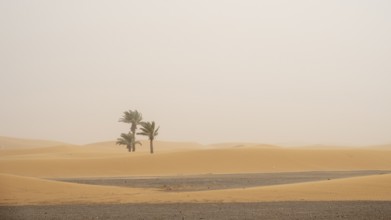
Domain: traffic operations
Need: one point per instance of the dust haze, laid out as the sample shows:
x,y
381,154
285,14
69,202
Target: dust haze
x,y
276,72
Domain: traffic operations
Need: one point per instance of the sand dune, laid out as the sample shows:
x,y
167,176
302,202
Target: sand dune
x,y
355,188
107,149
117,161
239,145
161,146
26,190
23,164
39,151
12,143
383,147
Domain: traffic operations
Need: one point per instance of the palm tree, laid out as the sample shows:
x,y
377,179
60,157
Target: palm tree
x,y
127,140
134,118
148,129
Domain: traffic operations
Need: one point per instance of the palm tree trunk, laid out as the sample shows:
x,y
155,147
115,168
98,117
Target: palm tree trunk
x,y
151,146
134,141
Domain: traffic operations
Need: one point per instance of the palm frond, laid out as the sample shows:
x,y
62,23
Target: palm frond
x,y
148,129
142,133
131,116
137,117
125,139
121,141
127,117
156,131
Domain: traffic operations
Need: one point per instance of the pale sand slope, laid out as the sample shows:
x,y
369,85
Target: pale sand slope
x,y
13,143
75,161
26,190
239,145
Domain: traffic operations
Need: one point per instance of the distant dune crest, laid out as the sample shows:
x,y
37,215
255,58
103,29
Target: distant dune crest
x,y
11,143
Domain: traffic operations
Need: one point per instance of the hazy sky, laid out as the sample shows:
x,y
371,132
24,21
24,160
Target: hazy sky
x,y
282,72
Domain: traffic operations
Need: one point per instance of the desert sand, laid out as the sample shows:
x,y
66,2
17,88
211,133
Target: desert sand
x,y
28,190
28,167
106,159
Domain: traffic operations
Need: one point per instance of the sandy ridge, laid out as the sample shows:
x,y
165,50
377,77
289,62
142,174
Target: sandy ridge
x,y
27,190
116,162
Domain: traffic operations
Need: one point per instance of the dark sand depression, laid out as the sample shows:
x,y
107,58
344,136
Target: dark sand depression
x,y
220,181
